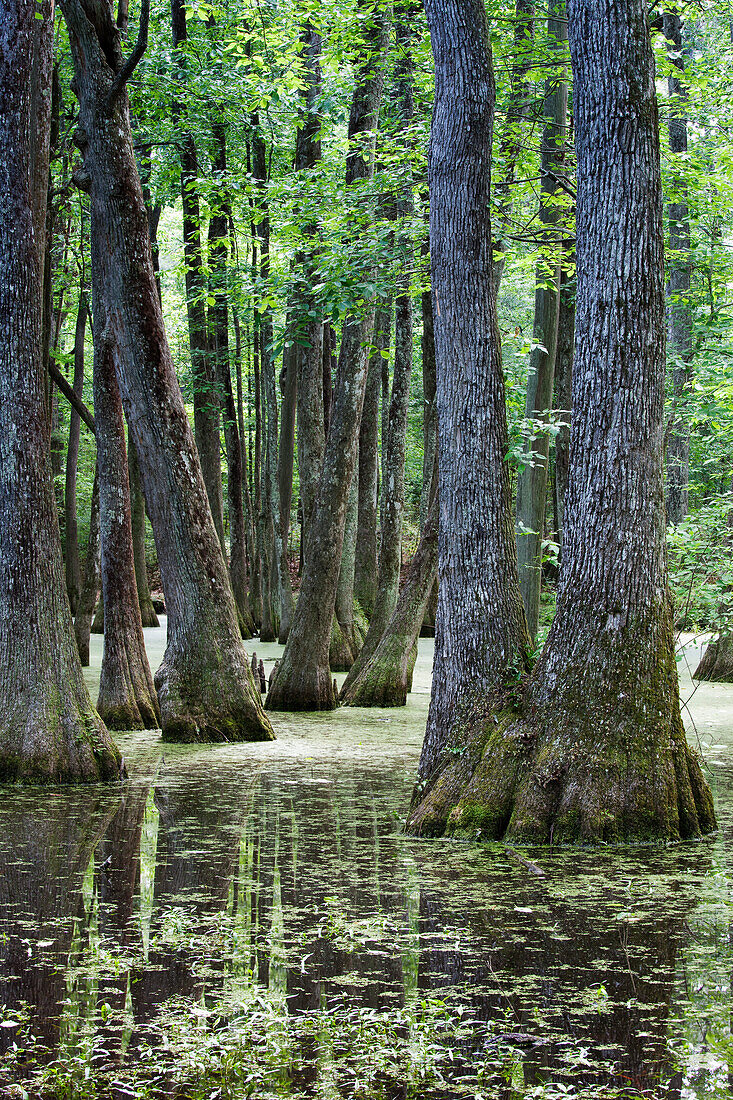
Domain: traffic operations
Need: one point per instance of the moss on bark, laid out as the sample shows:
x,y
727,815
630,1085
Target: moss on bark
x,y
585,758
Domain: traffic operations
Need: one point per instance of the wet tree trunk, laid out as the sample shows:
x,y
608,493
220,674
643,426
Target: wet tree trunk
x,y
386,678
92,580
679,313
365,565
73,567
481,640
716,663
49,730
205,404
598,752
303,679
532,478
219,350
205,685
137,507
127,699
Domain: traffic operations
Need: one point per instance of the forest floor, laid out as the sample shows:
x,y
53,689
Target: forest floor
x,y
250,920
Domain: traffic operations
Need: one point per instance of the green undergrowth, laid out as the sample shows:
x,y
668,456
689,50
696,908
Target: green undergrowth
x,y
252,1046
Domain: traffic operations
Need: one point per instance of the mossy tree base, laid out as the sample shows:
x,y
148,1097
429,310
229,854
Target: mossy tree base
x,y
340,652
58,738
716,664
210,700
306,687
590,760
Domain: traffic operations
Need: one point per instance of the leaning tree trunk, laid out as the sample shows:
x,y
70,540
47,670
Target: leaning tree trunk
x,y
49,729
92,580
481,640
386,678
137,509
303,679
597,751
532,478
73,567
680,350
204,684
127,699
430,433
285,462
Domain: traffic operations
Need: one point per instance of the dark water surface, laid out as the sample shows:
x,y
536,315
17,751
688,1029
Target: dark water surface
x,y
250,920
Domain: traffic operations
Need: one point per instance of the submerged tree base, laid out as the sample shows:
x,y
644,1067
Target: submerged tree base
x,y
61,739
210,701
580,759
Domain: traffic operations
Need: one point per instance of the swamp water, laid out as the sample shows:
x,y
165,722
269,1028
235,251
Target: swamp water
x,y
251,921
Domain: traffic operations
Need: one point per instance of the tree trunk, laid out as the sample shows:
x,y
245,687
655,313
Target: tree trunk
x,y
430,435
386,678
271,563
49,731
137,507
532,479
73,567
563,389
393,486
219,351
716,663
92,580
598,751
679,313
205,404
205,685
127,699
481,640
303,679
365,566
285,461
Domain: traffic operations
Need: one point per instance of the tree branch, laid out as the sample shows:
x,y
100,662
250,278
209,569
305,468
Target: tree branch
x,y
71,397
131,64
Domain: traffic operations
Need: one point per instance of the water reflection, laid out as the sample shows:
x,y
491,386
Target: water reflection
x,y
206,880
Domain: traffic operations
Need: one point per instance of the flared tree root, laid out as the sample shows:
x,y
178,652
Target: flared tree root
x,y
210,701
515,777
61,740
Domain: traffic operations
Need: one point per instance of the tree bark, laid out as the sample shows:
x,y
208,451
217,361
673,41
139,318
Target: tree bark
x,y
481,640
285,462
679,311
563,389
73,567
92,580
219,351
205,404
303,679
532,479
137,507
393,486
597,751
365,566
49,732
386,678
205,686
127,699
